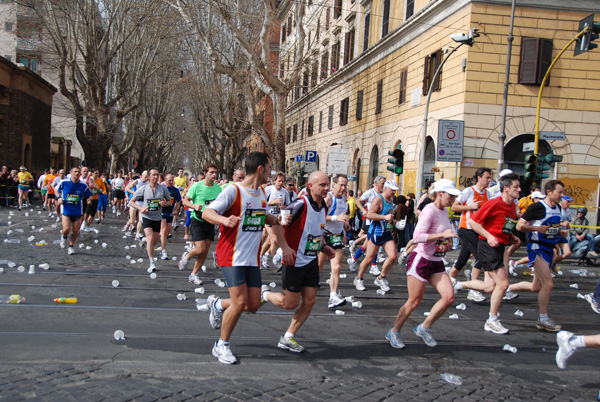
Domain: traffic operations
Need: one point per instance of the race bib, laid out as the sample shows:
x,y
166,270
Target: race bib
x,y
153,205
552,232
335,240
119,188
313,246
509,225
441,247
389,226
23,181
254,220
275,209
72,199
94,191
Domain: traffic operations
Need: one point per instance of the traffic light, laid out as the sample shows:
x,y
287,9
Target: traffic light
x,y
396,161
584,43
546,163
531,161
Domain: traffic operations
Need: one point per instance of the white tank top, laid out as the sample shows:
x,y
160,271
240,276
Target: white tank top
x,y
305,234
338,206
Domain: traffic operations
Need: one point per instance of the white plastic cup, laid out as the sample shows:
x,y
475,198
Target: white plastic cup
x,y
199,290
508,348
115,283
349,299
339,312
453,317
31,269
342,276
204,268
519,313
461,306
119,335
44,266
575,286
153,275
202,307
380,292
217,281
357,304
181,296
21,268
272,284
284,215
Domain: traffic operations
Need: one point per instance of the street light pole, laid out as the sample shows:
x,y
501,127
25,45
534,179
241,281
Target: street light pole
x,y
502,135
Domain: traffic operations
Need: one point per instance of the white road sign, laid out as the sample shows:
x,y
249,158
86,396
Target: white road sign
x,y
450,140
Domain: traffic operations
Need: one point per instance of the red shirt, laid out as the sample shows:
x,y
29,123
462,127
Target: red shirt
x,y
498,218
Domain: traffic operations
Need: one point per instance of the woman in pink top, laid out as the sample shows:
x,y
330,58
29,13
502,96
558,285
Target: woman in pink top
x,y
433,236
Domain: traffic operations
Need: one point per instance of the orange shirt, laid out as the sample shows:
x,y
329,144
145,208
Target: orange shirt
x,y
99,183
48,180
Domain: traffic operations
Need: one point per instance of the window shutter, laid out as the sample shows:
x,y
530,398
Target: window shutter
x,y
347,48
529,61
366,34
403,77
359,104
438,61
330,119
379,97
545,59
426,77
385,24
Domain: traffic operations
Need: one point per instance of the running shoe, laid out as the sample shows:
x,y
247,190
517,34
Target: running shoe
x,y
593,254
70,250
44,208
58,219
114,209
352,248
215,315
125,228
374,270
593,302
381,258
453,281
425,335
223,353
395,339
175,225
152,266
186,237
264,260
351,264
290,344
336,301
195,279
508,296
475,296
402,258
495,327
63,242
359,283
118,213
50,215
445,261
512,268
263,290
382,283
142,241
565,350
547,325
183,261
163,255
467,273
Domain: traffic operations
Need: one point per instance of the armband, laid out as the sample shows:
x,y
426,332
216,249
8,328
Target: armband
x,y
333,218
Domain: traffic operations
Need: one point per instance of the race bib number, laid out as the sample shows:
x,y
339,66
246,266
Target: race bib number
x,y
441,247
275,209
23,181
254,220
389,226
118,188
313,246
552,232
94,191
153,205
335,240
509,225
72,199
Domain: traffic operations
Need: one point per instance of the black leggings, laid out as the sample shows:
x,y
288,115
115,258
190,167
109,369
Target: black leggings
x,y
469,240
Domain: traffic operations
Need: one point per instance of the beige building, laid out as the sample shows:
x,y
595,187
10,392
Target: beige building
x,y
370,64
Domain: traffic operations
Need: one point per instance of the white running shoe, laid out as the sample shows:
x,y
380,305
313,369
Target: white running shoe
x,y
163,255
114,209
63,242
351,264
495,327
565,350
402,258
223,353
508,296
382,283
264,260
475,296
195,279
336,301
290,344
512,268
152,266
70,250
183,261
359,284
215,315
374,270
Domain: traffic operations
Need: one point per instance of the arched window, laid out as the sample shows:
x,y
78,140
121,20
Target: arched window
x,y
374,164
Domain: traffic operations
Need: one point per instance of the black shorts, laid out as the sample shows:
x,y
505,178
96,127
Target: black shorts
x,y
50,196
492,258
119,194
294,279
200,230
73,218
334,240
365,228
155,225
236,276
167,217
90,209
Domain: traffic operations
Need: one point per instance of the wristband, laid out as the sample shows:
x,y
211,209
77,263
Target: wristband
x,y
333,218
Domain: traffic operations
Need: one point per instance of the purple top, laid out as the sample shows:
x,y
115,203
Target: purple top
x,y
432,220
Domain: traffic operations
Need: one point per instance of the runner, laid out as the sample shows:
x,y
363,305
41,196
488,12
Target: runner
x,y
277,198
168,214
241,210
432,235
96,185
155,197
118,185
495,222
336,225
471,199
50,194
43,188
25,180
71,193
568,343
238,176
542,223
60,177
200,195
188,212
301,243
381,215
130,189
103,198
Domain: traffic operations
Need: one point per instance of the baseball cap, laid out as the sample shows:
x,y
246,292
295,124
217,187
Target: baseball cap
x,y
538,194
445,186
390,184
505,172
23,168
564,197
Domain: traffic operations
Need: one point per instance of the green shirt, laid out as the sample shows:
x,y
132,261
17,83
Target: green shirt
x,y
201,194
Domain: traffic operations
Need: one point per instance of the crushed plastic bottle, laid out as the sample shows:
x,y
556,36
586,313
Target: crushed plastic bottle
x,y
140,260
461,306
88,247
339,312
119,335
199,290
128,257
30,239
580,296
575,286
519,313
380,292
81,245
217,281
12,241
508,348
95,241
45,266
66,300
451,378
181,296
11,299
104,245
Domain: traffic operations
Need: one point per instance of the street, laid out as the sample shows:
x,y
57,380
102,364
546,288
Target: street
x,y
67,351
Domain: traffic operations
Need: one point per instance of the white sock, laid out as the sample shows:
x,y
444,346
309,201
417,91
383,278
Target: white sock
x,y
264,295
332,295
219,305
288,335
494,317
458,286
543,316
577,341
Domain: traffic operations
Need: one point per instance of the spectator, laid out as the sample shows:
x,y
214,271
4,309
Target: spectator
x,y
578,235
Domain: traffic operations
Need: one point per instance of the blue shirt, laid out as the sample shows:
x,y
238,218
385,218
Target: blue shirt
x,y
72,195
377,228
176,196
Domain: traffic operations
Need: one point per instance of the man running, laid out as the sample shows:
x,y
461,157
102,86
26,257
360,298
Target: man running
x,y
495,222
155,197
96,185
241,210
71,193
381,215
168,214
25,181
60,177
301,244
277,198
50,195
336,225
118,185
201,194
541,221
131,188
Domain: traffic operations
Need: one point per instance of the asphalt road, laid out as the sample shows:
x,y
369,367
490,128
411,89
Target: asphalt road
x,y
67,351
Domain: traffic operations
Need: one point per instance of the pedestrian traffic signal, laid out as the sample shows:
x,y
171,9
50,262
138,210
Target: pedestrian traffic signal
x,y
396,161
584,42
531,161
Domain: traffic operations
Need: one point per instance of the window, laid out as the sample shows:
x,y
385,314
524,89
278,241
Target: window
x,y
302,131
337,9
349,46
281,70
324,63
321,121
359,104
330,120
327,18
432,63
344,107
289,26
311,126
403,77
536,56
379,97
410,8
318,33
385,23
295,137
31,63
335,57
297,92
288,135
305,81
314,74
283,32
366,33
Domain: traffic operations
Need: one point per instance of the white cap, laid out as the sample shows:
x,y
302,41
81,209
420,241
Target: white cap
x,y
445,186
390,184
505,172
537,194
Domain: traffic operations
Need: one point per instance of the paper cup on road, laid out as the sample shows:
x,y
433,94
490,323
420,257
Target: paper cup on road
x,y
119,335
284,215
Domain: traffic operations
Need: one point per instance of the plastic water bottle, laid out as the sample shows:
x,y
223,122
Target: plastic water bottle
x,y
575,286
11,299
451,378
67,300
31,238
12,241
339,312
508,348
